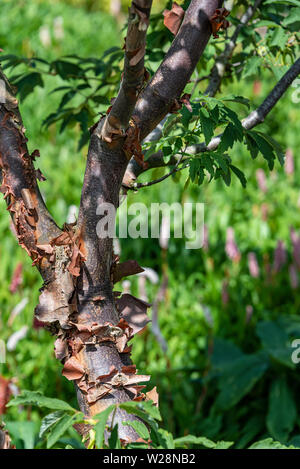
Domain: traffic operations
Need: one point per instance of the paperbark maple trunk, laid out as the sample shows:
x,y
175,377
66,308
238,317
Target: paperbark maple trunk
x,y
77,302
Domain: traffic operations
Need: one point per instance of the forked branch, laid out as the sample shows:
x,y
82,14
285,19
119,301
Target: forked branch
x,y
33,224
117,120
173,74
252,120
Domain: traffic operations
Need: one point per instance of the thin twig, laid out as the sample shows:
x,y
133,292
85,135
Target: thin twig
x,y
139,185
252,120
219,68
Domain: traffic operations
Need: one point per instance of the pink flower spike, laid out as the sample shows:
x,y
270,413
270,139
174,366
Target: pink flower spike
x,y
293,277
261,180
289,166
296,247
231,247
205,238
253,265
280,256
225,294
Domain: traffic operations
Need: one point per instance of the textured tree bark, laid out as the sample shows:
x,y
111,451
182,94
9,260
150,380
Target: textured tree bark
x,y
177,67
77,301
96,302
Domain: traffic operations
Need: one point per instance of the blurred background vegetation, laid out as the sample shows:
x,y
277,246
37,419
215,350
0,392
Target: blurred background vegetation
x,y
230,310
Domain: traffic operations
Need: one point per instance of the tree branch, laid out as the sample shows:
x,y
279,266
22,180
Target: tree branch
x,y
96,305
177,67
118,118
252,120
223,59
258,116
33,223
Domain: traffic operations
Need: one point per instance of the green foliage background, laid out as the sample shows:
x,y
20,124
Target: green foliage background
x,y
227,373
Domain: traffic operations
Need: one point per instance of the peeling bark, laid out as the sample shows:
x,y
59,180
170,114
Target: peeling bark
x,y
92,323
177,67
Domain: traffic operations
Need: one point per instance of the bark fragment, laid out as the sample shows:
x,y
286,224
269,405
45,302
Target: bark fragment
x,y
173,18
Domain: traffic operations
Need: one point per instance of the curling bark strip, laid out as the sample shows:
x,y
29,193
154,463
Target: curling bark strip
x,y
134,74
33,224
77,303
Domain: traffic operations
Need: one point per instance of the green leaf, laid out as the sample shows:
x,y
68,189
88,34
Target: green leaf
x,y
283,2
114,441
137,446
239,174
251,67
139,427
226,176
60,88
279,39
201,441
207,125
200,176
238,99
238,378
208,163
38,399
138,408
269,443
252,146
276,342
149,415
224,353
224,444
229,137
49,421
67,97
232,116
268,23
275,145
193,440
66,69
59,429
100,426
293,18
27,84
83,117
194,168
254,426
264,146
24,431
167,153
278,69
166,439
222,160
282,414
185,119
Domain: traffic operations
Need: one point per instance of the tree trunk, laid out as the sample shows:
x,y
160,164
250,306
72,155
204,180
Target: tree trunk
x,y
77,302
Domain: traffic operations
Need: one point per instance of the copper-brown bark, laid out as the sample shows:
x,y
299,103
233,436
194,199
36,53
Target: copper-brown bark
x,y
77,301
